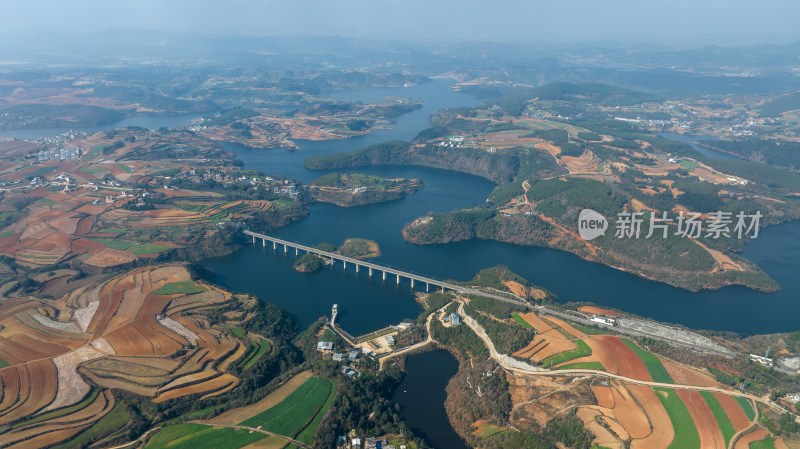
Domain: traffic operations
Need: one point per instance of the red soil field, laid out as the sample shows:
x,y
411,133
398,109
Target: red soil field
x,y
617,357
86,246
733,410
704,420
597,310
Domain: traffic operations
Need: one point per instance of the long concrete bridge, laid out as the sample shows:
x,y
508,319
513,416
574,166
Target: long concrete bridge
x,y
384,270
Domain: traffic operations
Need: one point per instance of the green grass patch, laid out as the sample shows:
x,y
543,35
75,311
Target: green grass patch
x,y
686,436
41,171
147,248
584,365
263,346
746,407
589,330
113,421
93,170
124,168
654,366
689,165
113,243
4,364
187,288
96,150
488,431
766,443
724,422
582,350
240,333
6,234
45,202
172,433
521,320
113,230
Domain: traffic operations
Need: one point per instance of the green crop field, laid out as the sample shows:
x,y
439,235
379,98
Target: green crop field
x,y
46,202
262,348
746,407
686,436
6,233
724,422
94,153
147,248
766,443
290,415
581,351
297,416
124,168
651,362
585,365
307,435
93,170
187,288
521,321
200,436
113,243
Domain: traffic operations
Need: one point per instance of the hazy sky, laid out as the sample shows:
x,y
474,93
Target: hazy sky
x,y
676,22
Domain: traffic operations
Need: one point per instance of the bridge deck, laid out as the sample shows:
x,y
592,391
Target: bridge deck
x,y
389,270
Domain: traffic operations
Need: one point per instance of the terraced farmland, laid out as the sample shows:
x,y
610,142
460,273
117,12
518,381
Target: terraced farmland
x,y
143,331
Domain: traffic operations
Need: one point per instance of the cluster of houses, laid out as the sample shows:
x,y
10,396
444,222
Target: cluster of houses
x,y
283,186
354,442
453,142
349,359
59,154
603,320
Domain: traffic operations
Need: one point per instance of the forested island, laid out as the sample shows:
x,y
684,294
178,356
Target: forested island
x,y
356,189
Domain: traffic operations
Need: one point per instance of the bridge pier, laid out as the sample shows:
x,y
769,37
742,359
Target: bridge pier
x,y
427,287
384,275
296,251
285,248
344,264
254,240
356,268
370,271
274,245
412,283
442,289
398,278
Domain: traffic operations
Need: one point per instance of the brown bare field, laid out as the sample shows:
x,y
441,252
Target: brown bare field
x,y
237,415
744,442
663,432
597,310
516,288
110,257
703,417
688,376
602,436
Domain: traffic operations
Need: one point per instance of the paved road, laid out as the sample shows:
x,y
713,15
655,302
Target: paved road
x,y
407,349
481,333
